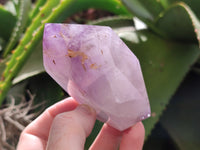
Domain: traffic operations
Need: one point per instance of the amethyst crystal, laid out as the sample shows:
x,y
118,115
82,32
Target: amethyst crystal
x,y
96,68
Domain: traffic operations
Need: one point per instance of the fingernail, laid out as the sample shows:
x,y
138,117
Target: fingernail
x,y
86,109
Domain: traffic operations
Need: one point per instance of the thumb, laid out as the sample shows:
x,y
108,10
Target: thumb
x,y
70,129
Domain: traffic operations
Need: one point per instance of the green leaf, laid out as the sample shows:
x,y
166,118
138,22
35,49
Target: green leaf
x,y
181,119
113,6
168,18
179,22
114,22
7,23
165,3
3,65
164,65
138,9
20,25
45,89
33,66
147,11
36,9
159,139
193,4
195,21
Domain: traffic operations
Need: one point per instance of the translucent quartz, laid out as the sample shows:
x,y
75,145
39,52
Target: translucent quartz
x,y
96,68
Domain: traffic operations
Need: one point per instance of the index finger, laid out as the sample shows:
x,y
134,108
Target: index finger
x,y
38,130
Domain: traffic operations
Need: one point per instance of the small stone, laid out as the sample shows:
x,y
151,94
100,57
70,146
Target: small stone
x,y
96,68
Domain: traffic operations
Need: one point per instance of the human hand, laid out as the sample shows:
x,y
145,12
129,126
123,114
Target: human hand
x,y
66,125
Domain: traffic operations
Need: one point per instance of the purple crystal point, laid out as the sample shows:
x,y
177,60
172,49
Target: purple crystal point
x,y
96,68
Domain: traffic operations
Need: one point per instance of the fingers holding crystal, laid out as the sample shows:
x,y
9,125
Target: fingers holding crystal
x,y
133,138
108,138
111,138
70,129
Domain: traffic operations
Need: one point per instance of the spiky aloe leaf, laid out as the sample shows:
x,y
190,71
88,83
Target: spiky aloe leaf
x,y
32,67
193,4
179,22
35,11
168,18
195,21
20,25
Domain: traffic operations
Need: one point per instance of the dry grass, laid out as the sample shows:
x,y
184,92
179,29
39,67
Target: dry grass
x,y
13,119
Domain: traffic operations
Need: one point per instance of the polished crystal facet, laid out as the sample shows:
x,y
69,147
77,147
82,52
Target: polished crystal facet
x,y
96,68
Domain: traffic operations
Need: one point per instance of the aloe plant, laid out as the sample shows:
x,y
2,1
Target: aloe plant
x,y
168,50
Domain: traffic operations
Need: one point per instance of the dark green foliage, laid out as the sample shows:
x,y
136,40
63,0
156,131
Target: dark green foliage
x,y
181,119
45,88
176,21
7,23
22,18
160,140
